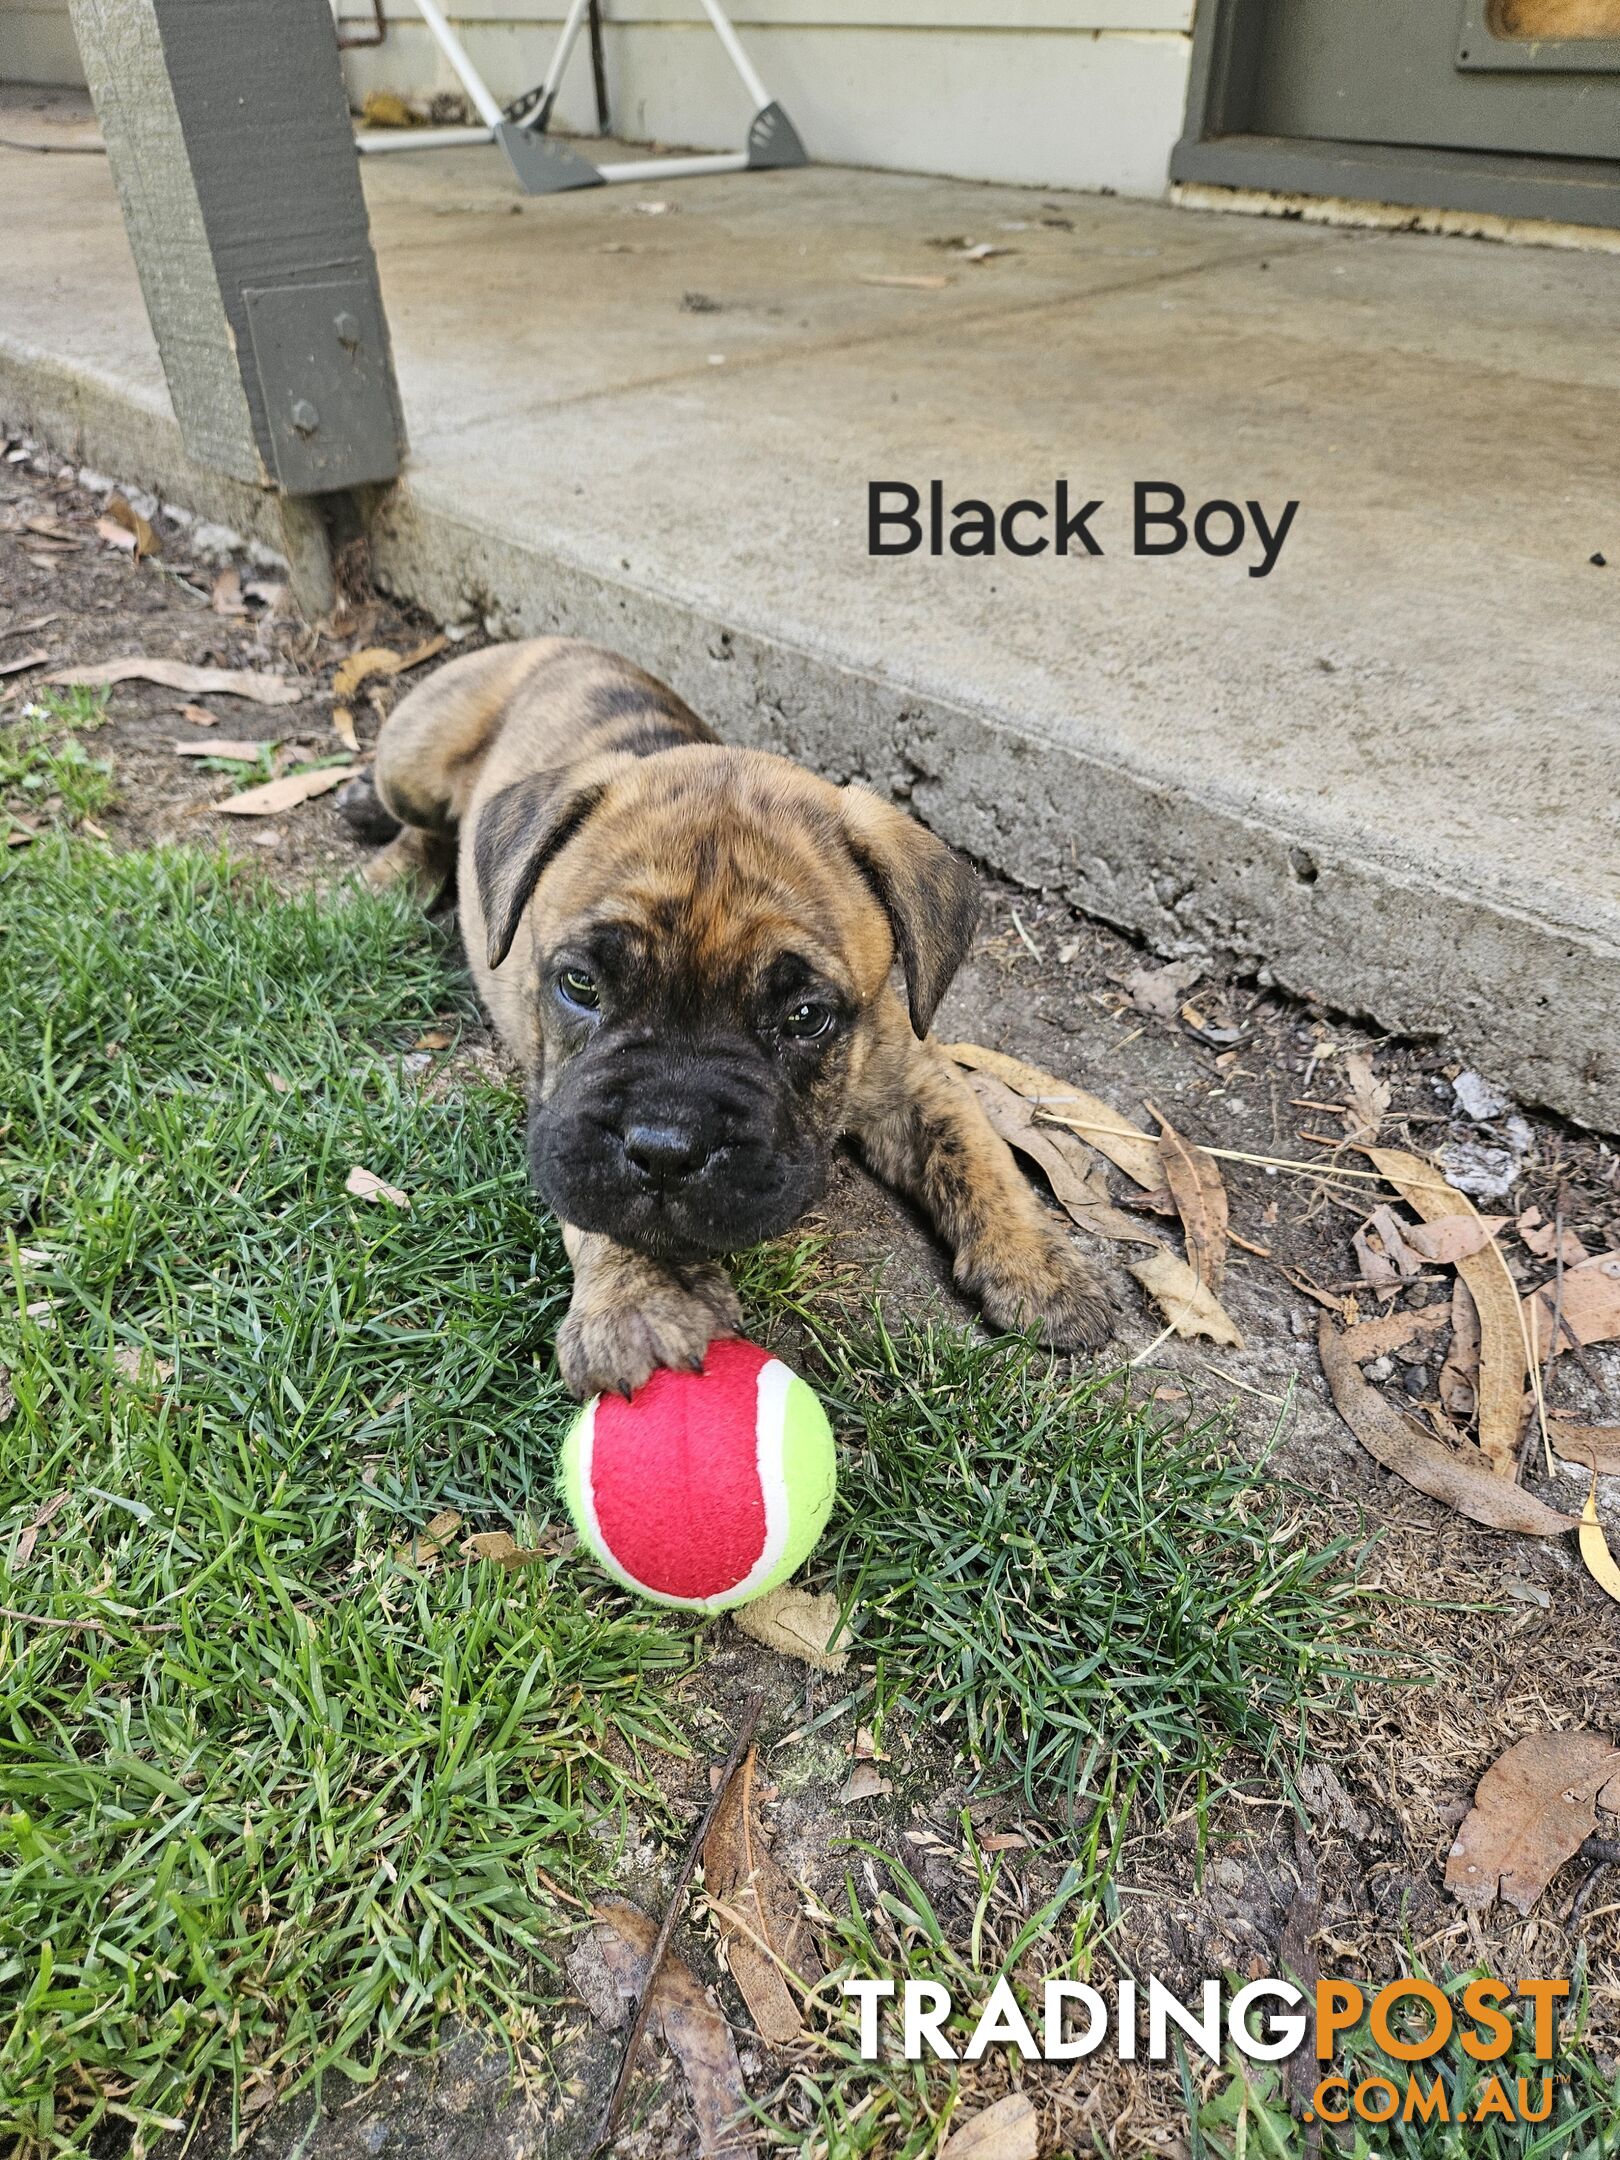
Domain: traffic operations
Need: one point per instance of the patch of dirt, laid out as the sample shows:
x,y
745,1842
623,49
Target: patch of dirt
x,y
72,595
1495,1636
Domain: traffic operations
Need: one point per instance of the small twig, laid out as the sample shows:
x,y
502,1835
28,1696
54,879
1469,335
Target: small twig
x,y
1603,1853
1558,1289
566,1897
1221,1154
1029,942
638,2024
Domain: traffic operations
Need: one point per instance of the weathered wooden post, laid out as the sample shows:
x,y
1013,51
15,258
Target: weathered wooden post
x,y
228,133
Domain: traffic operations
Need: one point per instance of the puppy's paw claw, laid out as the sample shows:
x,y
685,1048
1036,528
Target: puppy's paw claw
x,y
611,1350
1054,1290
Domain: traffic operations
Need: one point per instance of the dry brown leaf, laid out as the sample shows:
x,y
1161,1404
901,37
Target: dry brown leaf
x,y
1198,1190
128,1358
1459,1374
198,715
1375,1267
1588,1306
1534,1807
694,2029
1450,1238
343,727
226,597
1393,1331
263,689
758,1913
360,667
1595,1547
233,752
1501,1350
1065,1158
797,1625
921,284
1461,1480
431,1542
504,1550
376,660
1392,1236
1369,1097
29,1536
1126,1145
1543,1240
23,662
1009,2129
1160,990
1191,1307
366,1185
865,1782
286,793
433,1039
1594,1447
123,525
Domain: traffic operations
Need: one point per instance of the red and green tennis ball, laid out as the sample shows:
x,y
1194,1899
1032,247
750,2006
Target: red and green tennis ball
x,y
706,1488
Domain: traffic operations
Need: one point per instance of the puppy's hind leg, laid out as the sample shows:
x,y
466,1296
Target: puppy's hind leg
x,y
405,853
425,766
413,857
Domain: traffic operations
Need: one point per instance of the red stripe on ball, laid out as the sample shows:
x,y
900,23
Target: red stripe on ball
x,y
675,1475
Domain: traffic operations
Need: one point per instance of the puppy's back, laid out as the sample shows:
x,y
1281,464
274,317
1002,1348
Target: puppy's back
x,y
536,706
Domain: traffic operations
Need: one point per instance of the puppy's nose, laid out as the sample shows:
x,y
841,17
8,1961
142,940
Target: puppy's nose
x,y
663,1153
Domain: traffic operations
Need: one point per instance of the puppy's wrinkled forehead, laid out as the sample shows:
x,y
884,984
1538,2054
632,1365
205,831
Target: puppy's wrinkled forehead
x,y
732,863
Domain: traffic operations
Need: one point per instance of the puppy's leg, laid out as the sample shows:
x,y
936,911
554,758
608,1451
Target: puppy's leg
x,y
426,860
630,1315
922,1129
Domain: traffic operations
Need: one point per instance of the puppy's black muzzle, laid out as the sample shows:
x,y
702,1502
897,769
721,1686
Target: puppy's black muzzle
x,y
683,1152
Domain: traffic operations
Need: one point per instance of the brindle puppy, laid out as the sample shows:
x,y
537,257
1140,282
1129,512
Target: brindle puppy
x,y
687,949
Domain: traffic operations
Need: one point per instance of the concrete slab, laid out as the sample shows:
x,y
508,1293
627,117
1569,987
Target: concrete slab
x,y
1385,774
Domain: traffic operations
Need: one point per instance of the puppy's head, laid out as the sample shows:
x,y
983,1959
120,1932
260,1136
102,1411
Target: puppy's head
x,y
707,935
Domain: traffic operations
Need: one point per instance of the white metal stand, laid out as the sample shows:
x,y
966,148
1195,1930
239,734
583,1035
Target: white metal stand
x,y
545,167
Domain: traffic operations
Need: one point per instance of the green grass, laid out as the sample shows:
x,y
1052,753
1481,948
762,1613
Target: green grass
x,y
273,1799
889,1929
270,1798
44,766
1086,1595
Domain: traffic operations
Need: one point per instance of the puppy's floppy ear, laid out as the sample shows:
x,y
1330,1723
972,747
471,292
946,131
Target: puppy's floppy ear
x,y
930,895
521,830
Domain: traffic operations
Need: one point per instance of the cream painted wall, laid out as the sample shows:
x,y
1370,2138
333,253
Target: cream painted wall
x,y
1056,93
36,43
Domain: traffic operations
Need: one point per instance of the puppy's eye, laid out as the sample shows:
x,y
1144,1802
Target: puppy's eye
x,y
805,1022
578,988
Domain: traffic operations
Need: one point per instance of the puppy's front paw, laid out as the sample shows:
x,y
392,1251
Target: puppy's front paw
x,y
609,1346
1045,1284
